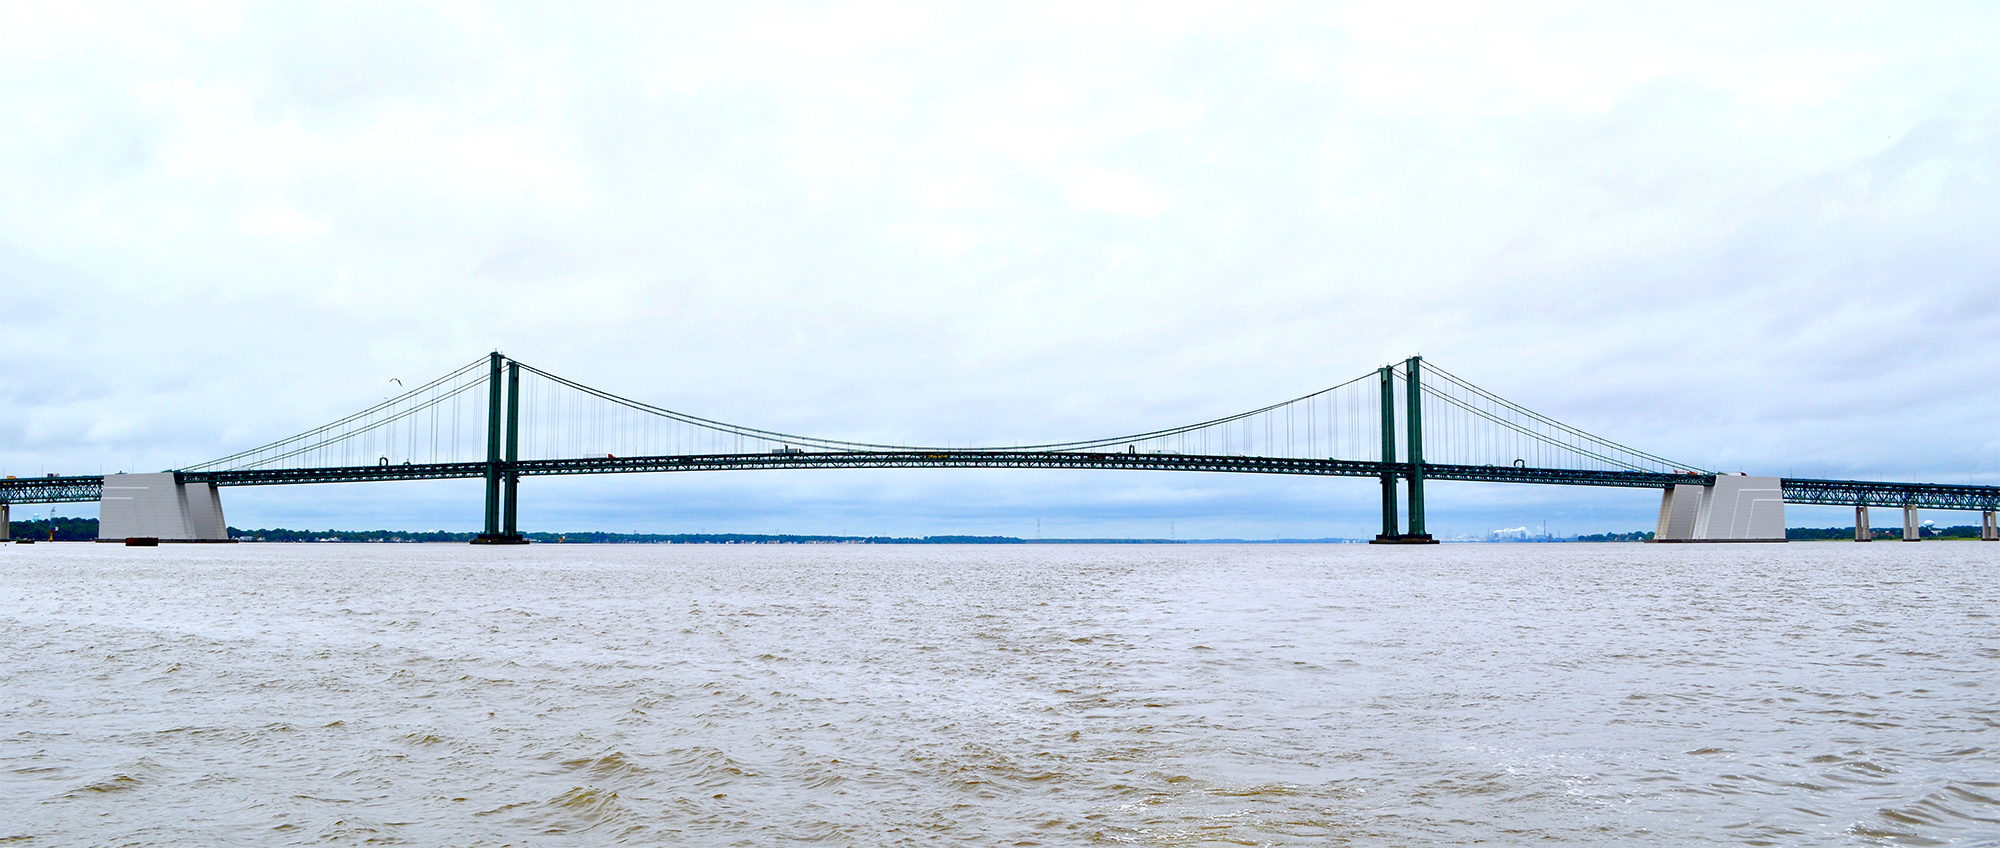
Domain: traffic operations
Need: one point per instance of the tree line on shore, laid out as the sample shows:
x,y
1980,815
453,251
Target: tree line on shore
x,y
85,530
66,529
1815,534
600,537
1963,531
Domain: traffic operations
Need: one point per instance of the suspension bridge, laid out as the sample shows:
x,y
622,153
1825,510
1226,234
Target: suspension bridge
x,y
1401,425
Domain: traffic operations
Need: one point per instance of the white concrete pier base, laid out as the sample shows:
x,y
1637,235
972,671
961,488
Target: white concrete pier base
x,y
1989,526
1910,531
1737,508
1862,532
154,506
1678,507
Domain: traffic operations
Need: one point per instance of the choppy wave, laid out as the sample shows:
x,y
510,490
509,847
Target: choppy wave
x,y
1808,694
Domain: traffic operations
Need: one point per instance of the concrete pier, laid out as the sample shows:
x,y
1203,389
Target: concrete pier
x,y
158,506
1862,532
1989,526
1911,533
1737,508
7,530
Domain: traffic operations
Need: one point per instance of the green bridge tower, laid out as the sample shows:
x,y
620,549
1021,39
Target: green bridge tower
x,y
503,438
1413,470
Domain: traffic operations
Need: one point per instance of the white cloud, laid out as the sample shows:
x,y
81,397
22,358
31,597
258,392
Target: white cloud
x,y
1689,227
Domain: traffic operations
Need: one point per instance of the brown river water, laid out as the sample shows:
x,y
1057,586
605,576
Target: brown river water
x,y
1617,694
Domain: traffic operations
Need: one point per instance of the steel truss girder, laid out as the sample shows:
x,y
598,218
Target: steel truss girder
x,y
946,459
338,474
52,490
1124,461
1865,493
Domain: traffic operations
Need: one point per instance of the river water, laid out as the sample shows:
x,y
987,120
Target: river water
x,y
1618,694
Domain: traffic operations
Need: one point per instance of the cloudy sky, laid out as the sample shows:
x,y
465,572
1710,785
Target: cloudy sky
x,y
1755,237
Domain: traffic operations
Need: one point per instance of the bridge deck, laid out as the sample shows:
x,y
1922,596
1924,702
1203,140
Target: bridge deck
x,y
1800,491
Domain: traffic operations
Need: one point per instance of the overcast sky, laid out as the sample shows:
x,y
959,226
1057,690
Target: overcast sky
x,y
1751,237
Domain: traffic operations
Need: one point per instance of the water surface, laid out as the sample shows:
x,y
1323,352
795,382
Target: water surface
x,y
1802,694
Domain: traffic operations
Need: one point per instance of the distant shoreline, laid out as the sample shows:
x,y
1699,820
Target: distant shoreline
x,y
85,529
